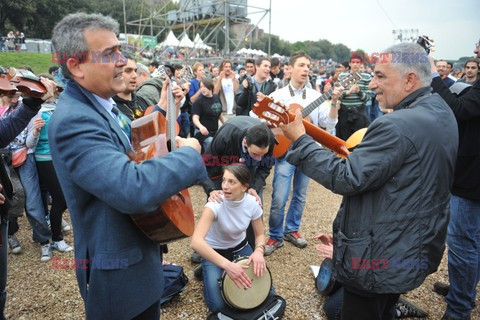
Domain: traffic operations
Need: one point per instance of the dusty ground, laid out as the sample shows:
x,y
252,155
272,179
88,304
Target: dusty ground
x,y
36,291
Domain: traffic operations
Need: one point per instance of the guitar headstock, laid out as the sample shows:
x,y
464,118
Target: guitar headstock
x,y
160,72
186,74
426,43
272,113
350,79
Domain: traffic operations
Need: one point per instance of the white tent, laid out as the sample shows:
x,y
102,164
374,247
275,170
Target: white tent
x,y
170,41
199,44
185,42
243,51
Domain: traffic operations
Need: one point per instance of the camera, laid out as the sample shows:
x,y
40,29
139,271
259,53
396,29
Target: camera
x,y
248,78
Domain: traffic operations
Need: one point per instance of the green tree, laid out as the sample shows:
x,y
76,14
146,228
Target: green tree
x,y
342,52
14,14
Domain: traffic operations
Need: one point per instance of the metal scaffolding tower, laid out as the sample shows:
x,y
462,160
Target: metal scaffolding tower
x,y
208,18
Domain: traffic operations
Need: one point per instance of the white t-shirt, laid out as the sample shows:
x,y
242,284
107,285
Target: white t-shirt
x,y
320,115
231,221
227,86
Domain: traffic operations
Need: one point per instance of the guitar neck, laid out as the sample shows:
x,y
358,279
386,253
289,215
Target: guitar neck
x,y
171,118
317,102
327,140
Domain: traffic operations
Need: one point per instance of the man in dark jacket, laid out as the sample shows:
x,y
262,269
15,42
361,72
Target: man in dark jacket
x,y
463,229
254,87
241,139
389,233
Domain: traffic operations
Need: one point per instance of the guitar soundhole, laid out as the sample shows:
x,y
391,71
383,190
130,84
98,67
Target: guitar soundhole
x,y
180,195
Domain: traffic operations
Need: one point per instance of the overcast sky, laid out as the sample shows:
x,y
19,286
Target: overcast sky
x,y
453,24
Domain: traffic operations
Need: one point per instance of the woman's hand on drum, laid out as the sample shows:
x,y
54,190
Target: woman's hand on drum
x,y
326,246
259,264
237,273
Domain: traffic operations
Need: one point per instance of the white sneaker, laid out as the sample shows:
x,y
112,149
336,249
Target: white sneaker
x,y
65,226
61,246
46,252
14,244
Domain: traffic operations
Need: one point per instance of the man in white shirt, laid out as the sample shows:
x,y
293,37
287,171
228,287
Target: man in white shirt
x,y
225,86
324,116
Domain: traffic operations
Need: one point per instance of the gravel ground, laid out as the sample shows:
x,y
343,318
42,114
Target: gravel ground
x,y
36,291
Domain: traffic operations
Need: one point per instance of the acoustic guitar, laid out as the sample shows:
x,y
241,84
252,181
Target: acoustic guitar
x,y
284,143
174,219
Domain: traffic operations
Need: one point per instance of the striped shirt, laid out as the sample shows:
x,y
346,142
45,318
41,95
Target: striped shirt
x,y
358,99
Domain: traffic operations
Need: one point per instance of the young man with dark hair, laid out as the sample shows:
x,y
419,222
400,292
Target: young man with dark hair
x,y
226,85
254,88
127,100
153,66
471,71
464,224
250,66
276,73
352,115
285,174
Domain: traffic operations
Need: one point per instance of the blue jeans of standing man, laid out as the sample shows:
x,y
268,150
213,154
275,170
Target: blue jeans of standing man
x,y
184,121
463,256
282,178
35,210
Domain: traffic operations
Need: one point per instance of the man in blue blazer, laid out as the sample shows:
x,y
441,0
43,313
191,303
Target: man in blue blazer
x,y
101,185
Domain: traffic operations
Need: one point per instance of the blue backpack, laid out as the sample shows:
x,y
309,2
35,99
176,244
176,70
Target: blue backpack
x,y
175,282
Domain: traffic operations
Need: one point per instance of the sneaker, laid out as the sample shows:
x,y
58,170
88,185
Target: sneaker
x,y
198,272
195,257
65,226
272,245
295,238
407,309
61,246
46,252
14,244
441,288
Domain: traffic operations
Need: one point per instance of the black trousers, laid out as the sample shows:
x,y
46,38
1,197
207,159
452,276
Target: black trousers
x,y
350,120
151,313
368,306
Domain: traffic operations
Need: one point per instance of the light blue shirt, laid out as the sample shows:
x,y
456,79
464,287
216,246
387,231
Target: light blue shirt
x,y
108,105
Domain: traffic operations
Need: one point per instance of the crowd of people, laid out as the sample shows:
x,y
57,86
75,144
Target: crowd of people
x,y
13,42
409,188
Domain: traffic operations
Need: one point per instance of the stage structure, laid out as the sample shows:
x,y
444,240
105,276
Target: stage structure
x,y
209,19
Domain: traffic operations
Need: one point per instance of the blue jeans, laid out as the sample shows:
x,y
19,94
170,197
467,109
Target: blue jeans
x,y
463,256
212,279
3,265
282,177
33,200
373,111
184,121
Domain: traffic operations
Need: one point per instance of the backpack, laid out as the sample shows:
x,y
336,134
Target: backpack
x,y
272,309
175,282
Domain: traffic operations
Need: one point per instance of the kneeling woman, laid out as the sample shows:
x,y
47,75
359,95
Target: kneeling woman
x,y
220,237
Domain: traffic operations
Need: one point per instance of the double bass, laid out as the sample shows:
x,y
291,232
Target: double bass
x,y
174,219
